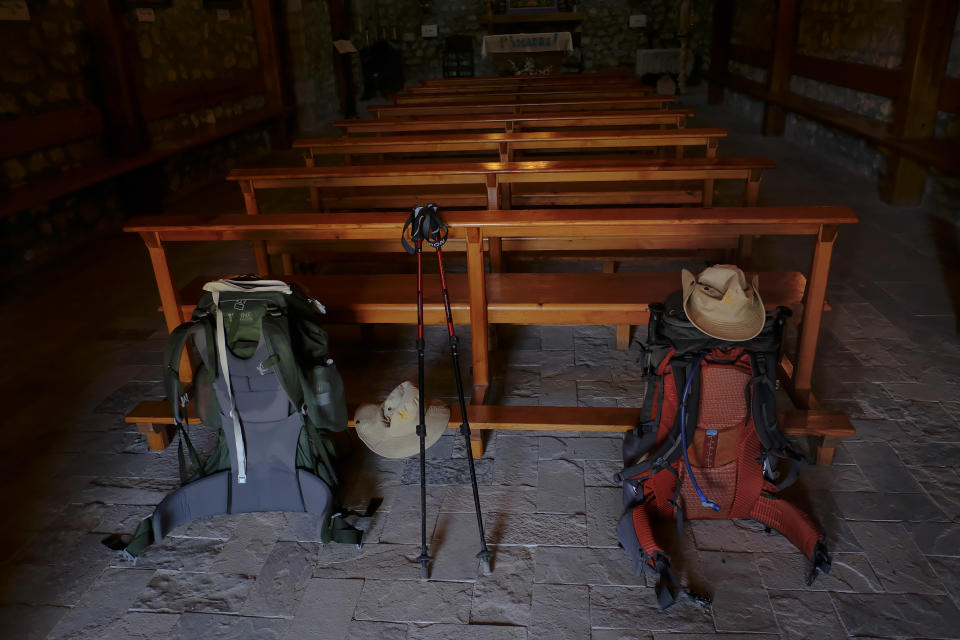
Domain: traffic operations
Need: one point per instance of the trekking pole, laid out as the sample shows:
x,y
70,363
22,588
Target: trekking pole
x,y
415,223
436,235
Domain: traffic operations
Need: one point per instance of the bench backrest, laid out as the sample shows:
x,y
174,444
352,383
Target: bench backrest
x,y
586,78
519,121
505,144
504,97
571,104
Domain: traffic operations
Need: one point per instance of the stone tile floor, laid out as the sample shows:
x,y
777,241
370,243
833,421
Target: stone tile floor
x,y
86,349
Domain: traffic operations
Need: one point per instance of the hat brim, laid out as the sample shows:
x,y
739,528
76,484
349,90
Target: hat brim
x,y
372,429
746,329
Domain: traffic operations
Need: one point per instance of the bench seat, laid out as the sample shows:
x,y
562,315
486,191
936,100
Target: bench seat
x,y
154,417
512,298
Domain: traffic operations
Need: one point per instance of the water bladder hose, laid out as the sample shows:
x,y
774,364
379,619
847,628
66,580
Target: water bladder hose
x,y
704,501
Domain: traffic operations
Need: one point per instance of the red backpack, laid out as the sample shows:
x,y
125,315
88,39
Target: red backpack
x,y
708,446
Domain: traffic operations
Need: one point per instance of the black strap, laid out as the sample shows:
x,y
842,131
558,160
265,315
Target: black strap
x,y
821,562
667,587
425,224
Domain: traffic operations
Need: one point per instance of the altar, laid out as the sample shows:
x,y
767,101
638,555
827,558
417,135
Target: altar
x,y
528,53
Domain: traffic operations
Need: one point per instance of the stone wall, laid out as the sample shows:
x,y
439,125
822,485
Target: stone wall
x,y
48,66
188,42
311,59
608,41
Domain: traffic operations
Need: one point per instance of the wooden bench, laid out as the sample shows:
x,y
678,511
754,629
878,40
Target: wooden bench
x,y
480,298
507,97
428,108
509,122
503,146
541,80
548,183
559,86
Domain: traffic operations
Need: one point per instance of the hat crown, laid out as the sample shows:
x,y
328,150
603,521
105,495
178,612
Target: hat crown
x,y
720,302
402,409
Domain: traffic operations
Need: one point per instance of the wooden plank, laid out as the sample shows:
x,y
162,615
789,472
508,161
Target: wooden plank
x,y
197,94
950,95
503,97
929,36
778,80
265,28
572,104
512,298
539,418
527,121
580,223
867,78
31,133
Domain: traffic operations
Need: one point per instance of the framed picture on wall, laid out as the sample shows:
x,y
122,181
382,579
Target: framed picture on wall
x,y
531,6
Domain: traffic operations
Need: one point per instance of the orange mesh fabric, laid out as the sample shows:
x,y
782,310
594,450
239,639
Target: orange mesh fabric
x,y
718,484
722,402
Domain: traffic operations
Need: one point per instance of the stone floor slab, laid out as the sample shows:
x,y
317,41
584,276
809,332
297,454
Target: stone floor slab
x,y
504,597
806,614
898,615
560,487
454,547
423,602
364,630
465,632
325,610
143,626
192,626
183,591
890,507
281,582
571,565
381,561
636,608
947,569
115,591
516,461
459,499
559,611
936,538
848,572
536,529
740,602
900,565
604,508
579,448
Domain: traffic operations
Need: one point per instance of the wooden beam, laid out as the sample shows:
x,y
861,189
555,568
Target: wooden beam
x,y
778,81
265,26
929,35
720,51
126,130
850,75
197,94
29,133
949,95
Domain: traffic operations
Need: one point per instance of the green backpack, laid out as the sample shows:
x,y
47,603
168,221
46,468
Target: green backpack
x,y
266,382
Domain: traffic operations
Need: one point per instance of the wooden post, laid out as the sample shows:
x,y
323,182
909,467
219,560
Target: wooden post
x,y
126,130
169,296
253,208
929,34
752,191
778,80
314,191
494,202
813,311
478,308
720,51
265,28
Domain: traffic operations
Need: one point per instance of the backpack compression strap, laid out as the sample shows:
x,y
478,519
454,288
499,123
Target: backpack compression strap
x,y
228,385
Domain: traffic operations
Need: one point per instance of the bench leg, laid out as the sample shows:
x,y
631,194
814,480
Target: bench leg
x,y
496,254
707,194
287,259
609,266
623,337
825,450
744,252
158,435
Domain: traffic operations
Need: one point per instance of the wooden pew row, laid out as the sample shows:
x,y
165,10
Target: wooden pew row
x,y
503,146
506,97
540,80
511,122
580,86
480,298
428,108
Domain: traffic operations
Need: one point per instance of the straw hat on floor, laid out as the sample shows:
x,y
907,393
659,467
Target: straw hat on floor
x,y
390,429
